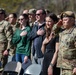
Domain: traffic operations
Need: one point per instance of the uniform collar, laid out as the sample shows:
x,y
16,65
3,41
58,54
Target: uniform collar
x,y
68,31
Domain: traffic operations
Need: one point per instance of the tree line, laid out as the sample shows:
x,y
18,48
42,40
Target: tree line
x,y
56,6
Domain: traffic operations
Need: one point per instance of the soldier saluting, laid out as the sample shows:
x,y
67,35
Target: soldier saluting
x,y
67,46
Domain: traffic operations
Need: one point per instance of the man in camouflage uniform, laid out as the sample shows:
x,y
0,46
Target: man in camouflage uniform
x,y
67,45
5,38
12,19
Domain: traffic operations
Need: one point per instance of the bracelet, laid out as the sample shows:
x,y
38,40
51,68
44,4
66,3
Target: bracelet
x,y
51,65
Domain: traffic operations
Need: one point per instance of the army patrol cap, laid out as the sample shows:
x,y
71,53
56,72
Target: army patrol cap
x,y
68,14
32,11
2,11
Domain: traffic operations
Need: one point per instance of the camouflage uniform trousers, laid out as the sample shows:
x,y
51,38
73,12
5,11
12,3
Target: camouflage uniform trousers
x,y
3,59
66,72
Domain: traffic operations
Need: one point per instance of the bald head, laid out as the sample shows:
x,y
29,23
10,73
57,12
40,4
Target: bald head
x,y
25,11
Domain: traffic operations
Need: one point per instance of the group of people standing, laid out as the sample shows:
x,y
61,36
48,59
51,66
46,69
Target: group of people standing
x,y
39,37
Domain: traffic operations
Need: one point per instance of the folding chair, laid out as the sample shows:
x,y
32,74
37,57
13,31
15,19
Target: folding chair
x,y
33,69
12,67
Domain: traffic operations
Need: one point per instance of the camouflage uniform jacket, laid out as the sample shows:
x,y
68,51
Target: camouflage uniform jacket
x,y
14,27
13,47
67,49
5,33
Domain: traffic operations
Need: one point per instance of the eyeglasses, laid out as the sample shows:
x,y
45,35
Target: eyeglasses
x,y
21,19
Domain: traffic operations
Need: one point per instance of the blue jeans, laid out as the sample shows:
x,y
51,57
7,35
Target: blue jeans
x,y
20,57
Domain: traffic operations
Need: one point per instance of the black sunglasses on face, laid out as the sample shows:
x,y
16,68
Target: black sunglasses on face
x,y
21,19
38,14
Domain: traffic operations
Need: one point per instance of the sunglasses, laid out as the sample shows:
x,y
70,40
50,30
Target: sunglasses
x,y
38,14
21,19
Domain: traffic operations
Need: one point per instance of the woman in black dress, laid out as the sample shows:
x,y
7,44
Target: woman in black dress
x,y
50,47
